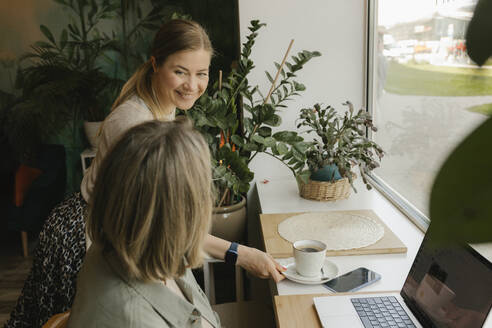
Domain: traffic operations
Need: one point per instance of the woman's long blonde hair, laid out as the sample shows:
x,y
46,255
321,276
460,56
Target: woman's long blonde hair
x,y
152,202
175,35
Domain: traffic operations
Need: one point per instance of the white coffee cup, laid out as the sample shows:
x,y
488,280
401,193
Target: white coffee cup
x,y
309,256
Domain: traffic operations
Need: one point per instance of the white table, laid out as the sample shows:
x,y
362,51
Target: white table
x,y
282,196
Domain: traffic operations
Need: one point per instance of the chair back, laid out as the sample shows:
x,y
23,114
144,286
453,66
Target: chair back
x,y
59,320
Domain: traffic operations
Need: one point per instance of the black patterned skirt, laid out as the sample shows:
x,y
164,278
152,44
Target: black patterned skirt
x,y
50,286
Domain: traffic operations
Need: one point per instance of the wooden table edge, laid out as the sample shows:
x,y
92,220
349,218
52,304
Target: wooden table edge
x,y
276,300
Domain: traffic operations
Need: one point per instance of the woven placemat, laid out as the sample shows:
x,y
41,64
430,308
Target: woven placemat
x,y
339,231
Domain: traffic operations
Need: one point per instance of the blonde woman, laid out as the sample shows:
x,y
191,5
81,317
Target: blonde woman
x,y
175,76
148,230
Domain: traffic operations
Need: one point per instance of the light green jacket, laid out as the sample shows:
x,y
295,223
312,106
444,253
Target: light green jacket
x,y
107,298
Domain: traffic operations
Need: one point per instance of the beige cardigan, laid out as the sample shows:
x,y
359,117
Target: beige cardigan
x,y
129,114
106,297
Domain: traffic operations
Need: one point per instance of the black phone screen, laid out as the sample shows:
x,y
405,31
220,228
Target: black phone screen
x,y
352,280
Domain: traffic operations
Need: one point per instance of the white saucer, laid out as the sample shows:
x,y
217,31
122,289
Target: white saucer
x,y
329,268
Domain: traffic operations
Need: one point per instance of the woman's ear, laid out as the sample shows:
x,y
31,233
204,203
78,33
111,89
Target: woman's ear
x,y
154,65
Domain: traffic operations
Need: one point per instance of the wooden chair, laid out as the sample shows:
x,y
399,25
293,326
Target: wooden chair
x,y
245,315
59,320
37,189
209,280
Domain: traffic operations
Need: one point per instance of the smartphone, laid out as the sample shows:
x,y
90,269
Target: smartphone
x,y
352,281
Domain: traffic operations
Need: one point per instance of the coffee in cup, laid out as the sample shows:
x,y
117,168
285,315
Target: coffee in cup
x,y
311,249
309,256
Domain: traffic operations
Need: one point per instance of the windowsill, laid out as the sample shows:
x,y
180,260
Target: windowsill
x,y
412,213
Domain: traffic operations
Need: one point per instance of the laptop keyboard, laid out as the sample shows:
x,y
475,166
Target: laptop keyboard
x,y
385,312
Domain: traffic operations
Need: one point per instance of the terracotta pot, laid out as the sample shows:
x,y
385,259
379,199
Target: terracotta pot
x,y
92,132
229,222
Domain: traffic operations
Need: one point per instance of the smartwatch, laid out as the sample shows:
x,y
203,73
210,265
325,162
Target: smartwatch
x,y
231,254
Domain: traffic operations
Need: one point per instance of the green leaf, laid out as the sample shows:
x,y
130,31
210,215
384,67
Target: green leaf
x,y
265,131
237,140
258,139
63,39
298,166
47,33
287,156
75,30
292,161
248,125
282,148
282,72
250,147
275,120
298,155
269,77
304,176
301,147
285,136
220,170
299,86
270,142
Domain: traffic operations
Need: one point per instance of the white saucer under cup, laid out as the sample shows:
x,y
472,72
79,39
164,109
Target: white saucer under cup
x,y
309,257
330,271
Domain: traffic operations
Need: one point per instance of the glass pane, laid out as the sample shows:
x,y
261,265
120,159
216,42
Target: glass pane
x,y
427,94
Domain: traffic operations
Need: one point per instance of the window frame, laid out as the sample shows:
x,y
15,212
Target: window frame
x,y
407,208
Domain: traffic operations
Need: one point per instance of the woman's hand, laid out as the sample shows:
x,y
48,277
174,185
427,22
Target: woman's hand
x,y
259,263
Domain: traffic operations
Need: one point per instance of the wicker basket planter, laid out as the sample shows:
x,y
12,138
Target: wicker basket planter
x,y
324,190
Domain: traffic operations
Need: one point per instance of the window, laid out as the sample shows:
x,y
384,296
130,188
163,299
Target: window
x,y
424,92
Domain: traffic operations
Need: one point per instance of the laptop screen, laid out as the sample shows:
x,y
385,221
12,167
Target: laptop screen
x,y
449,286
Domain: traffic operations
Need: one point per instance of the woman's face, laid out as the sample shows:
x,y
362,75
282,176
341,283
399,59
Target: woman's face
x,y
182,78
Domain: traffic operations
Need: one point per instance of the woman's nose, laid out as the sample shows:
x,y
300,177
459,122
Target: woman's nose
x,y
191,83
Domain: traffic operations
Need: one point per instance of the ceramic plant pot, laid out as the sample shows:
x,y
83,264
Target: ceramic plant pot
x,y
92,132
229,222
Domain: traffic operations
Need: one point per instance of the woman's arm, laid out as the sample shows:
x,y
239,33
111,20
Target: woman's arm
x,y
251,259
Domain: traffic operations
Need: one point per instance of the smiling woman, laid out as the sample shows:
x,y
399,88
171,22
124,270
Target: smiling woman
x,y
182,78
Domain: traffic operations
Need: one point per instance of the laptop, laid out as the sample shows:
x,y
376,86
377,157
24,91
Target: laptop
x,y
446,287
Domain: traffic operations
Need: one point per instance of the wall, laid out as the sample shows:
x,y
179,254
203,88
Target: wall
x,y
333,27
19,22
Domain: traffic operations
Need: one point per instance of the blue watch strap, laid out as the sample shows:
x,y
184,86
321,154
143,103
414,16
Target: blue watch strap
x,y
231,254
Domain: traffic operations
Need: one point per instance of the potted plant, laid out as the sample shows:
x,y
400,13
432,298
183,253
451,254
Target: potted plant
x,y
74,75
234,141
61,80
340,145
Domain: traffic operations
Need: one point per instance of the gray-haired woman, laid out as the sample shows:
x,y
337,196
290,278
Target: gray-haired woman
x,y
147,231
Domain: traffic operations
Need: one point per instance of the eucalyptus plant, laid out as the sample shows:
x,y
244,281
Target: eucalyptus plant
x,y
233,145
340,140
